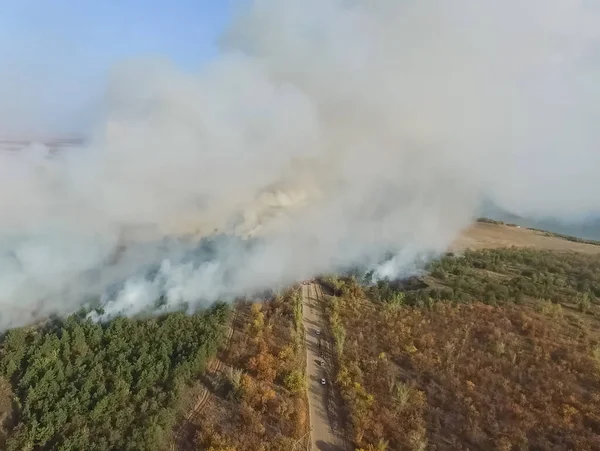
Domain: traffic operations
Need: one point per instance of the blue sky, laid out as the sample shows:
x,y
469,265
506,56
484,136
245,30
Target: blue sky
x,y
55,54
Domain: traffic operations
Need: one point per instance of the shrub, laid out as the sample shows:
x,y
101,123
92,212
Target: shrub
x,y
295,382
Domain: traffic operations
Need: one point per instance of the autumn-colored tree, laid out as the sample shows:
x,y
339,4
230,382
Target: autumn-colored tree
x,y
258,323
286,358
255,393
264,364
251,421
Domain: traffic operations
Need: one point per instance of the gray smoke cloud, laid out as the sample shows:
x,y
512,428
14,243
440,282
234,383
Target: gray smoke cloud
x,y
330,131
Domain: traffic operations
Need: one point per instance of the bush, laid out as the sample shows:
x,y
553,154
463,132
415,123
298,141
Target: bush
x,y
295,382
490,221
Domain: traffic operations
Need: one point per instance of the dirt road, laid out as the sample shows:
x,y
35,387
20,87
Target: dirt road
x,y
323,434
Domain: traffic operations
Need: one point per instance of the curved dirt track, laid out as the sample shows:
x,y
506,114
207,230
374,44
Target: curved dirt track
x,y
324,436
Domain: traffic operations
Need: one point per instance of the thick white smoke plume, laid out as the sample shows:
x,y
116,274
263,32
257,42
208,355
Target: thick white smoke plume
x,y
332,131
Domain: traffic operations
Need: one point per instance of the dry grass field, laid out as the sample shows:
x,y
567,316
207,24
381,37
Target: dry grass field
x,y
490,236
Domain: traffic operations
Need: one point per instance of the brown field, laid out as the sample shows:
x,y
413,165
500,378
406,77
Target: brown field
x,y
491,236
499,350
470,377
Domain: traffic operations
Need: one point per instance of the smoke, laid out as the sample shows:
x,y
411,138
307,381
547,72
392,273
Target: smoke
x,y
329,131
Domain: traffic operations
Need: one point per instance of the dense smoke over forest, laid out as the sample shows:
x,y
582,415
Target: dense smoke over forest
x,y
331,131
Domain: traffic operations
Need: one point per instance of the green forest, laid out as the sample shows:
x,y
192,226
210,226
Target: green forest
x,y
80,385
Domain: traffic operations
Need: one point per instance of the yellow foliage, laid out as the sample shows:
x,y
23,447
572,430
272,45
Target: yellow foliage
x,y
411,349
265,366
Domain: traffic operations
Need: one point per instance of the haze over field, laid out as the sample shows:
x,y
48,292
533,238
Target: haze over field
x,y
384,123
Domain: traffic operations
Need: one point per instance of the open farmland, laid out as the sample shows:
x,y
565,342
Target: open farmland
x,y
483,235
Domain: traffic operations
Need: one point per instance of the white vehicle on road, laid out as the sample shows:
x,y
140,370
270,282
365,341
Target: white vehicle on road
x,y
323,382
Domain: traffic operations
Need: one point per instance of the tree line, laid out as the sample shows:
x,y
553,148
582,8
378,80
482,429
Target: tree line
x,y
500,275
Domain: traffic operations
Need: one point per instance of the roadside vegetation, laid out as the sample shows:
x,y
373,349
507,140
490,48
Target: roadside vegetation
x,y
259,397
75,384
494,349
